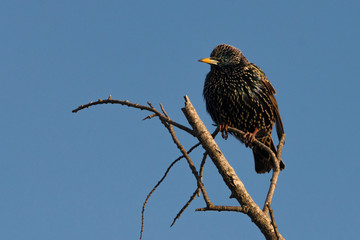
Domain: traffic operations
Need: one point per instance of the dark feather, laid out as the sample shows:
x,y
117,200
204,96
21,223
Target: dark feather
x,y
238,94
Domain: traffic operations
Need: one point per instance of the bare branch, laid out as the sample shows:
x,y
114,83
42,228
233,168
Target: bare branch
x,y
275,175
193,196
198,190
247,205
227,172
255,142
151,192
273,222
205,155
190,162
163,110
134,105
201,171
159,182
280,146
276,162
150,116
149,103
223,208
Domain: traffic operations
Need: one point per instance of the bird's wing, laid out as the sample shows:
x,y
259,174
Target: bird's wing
x,y
266,87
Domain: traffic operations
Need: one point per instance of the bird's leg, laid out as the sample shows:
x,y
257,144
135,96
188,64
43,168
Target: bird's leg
x,y
223,128
250,137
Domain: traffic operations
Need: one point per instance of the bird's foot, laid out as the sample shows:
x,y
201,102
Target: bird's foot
x,y
223,128
249,137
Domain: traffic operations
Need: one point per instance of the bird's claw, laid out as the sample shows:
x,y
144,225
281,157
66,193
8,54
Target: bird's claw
x,y
223,128
249,137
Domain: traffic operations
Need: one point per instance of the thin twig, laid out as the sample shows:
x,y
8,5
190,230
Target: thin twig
x,y
151,192
134,105
223,208
255,142
202,165
159,182
275,175
201,170
150,105
170,128
190,162
150,116
273,222
163,110
275,158
205,155
198,190
188,159
280,146
184,207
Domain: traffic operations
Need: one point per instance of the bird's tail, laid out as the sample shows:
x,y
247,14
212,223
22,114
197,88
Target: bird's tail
x,y
263,161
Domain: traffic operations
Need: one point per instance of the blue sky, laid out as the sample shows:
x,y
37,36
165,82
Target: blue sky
x,y
86,175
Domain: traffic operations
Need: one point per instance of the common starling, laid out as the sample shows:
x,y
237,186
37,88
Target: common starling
x,y
238,94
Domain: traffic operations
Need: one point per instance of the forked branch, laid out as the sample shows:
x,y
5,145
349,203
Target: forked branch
x,y
247,205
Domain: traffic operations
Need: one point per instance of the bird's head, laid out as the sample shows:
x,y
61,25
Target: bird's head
x,y
225,55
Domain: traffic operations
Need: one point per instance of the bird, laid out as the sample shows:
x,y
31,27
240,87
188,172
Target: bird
x,y
238,94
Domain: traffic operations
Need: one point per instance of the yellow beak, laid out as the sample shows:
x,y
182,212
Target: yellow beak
x,y
209,61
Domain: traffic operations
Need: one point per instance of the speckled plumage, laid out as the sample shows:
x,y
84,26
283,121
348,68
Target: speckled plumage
x,y
238,94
